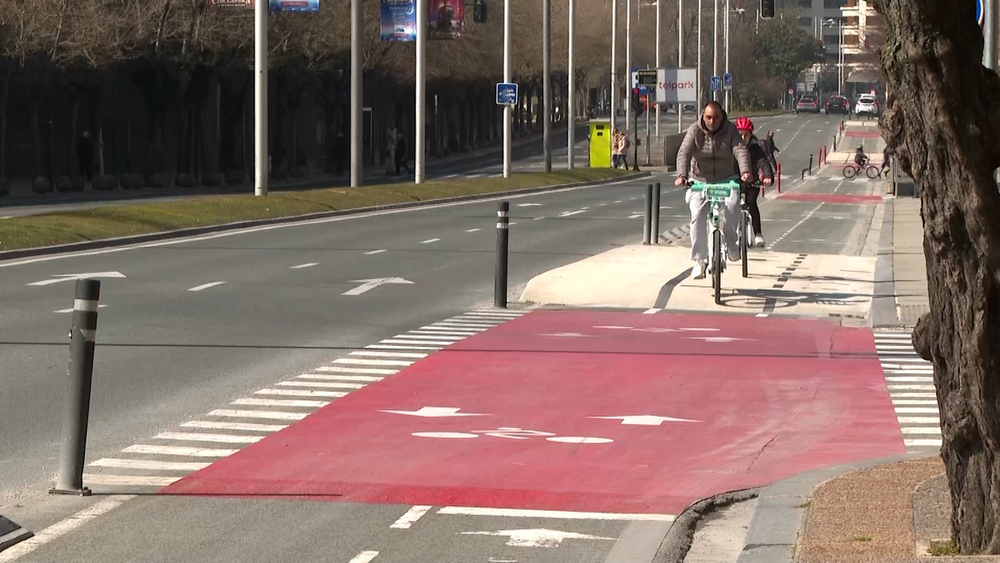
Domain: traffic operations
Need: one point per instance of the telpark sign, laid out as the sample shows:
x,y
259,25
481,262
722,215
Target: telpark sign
x,y
677,85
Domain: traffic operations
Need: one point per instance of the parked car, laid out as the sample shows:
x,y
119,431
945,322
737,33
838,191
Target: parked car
x,y
838,104
807,104
867,105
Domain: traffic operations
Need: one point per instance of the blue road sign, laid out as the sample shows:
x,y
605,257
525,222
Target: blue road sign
x,y
716,83
506,94
727,81
979,12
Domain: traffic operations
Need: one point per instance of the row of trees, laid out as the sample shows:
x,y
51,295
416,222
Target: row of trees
x,y
166,85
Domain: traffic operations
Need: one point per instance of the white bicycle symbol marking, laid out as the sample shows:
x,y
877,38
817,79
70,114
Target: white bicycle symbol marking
x,y
514,433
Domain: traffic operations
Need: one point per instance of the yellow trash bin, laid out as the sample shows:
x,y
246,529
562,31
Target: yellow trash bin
x,y
600,143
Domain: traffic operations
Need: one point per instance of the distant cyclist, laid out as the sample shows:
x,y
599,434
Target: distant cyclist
x,y
860,158
760,167
707,153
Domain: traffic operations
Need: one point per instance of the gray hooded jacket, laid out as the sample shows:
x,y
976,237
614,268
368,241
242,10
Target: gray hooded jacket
x,y
709,157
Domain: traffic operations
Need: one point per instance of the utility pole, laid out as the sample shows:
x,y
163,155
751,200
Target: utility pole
x,y
727,54
508,110
614,73
571,94
546,82
659,21
628,63
421,97
699,85
680,60
260,97
990,34
715,49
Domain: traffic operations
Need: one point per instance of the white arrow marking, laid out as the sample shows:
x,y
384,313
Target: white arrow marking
x,y
68,277
568,335
644,419
436,412
538,537
370,284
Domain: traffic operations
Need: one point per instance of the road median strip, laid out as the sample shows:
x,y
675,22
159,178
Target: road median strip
x,y
119,221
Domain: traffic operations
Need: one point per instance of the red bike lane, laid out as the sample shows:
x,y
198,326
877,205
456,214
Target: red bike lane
x,y
586,411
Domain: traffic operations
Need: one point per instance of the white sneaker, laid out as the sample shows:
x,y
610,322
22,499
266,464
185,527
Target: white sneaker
x,y
698,271
758,241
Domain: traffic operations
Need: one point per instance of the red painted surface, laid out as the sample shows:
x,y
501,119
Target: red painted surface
x,y
833,198
787,396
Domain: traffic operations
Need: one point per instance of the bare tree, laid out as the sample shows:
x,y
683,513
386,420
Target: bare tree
x,y
944,121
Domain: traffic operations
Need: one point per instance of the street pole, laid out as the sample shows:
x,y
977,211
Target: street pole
x,y
508,110
628,63
260,97
990,34
715,49
680,60
727,53
547,82
614,73
840,57
659,23
420,121
699,85
571,94
357,102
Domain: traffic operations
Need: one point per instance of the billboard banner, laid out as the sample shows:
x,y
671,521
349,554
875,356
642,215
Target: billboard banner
x,y
246,4
445,18
677,85
398,20
294,5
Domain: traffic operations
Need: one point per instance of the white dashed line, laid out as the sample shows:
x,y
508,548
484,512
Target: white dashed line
x,y
380,251
411,516
306,265
429,241
205,286
365,557
473,230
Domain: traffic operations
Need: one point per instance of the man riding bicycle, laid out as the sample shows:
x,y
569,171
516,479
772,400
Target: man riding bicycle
x,y
707,153
760,166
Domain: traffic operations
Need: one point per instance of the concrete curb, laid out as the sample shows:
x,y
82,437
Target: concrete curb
x,y
676,545
780,514
193,231
883,310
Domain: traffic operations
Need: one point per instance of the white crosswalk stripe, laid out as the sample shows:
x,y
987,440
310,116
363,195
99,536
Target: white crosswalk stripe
x,y
910,381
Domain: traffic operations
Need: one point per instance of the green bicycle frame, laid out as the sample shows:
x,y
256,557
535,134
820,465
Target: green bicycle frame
x,y
716,194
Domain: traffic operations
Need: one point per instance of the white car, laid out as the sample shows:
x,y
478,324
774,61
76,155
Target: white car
x,y
867,105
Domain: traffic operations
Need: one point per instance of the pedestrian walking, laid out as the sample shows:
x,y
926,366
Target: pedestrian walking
x,y
770,148
390,152
402,155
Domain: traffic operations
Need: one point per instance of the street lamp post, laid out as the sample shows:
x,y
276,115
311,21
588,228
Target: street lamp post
x,y
715,49
628,63
614,71
698,81
571,93
260,97
727,54
508,110
546,83
659,21
680,60
421,94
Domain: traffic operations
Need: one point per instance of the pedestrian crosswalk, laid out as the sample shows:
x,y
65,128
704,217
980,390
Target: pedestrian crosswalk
x,y
910,380
192,445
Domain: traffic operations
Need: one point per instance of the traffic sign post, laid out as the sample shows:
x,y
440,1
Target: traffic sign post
x,y
506,94
727,81
716,83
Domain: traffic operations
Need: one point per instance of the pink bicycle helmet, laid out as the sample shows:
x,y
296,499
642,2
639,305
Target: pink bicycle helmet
x,y
744,124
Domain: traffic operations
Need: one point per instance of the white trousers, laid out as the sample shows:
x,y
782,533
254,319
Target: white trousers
x,y
700,206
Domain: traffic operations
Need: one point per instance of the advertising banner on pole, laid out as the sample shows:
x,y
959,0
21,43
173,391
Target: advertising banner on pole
x,y
294,6
677,85
445,18
246,4
398,20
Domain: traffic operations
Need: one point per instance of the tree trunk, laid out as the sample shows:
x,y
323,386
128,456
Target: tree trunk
x,y
945,124
4,96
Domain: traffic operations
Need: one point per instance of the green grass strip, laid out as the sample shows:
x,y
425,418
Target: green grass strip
x,y
199,211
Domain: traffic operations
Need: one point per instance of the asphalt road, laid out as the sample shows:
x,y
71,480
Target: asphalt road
x,y
172,347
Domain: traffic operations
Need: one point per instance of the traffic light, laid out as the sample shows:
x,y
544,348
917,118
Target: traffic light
x,y
636,102
479,11
767,9
821,45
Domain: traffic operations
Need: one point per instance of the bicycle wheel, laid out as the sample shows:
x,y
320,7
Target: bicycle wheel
x,y
851,170
872,172
717,265
745,241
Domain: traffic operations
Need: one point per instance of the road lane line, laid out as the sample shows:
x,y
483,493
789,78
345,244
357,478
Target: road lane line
x,y
416,355
523,513
365,557
322,384
269,415
242,426
177,450
429,241
151,465
63,527
393,345
200,437
411,516
473,230
372,252
301,393
279,403
205,286
366,362
306,265
433,337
